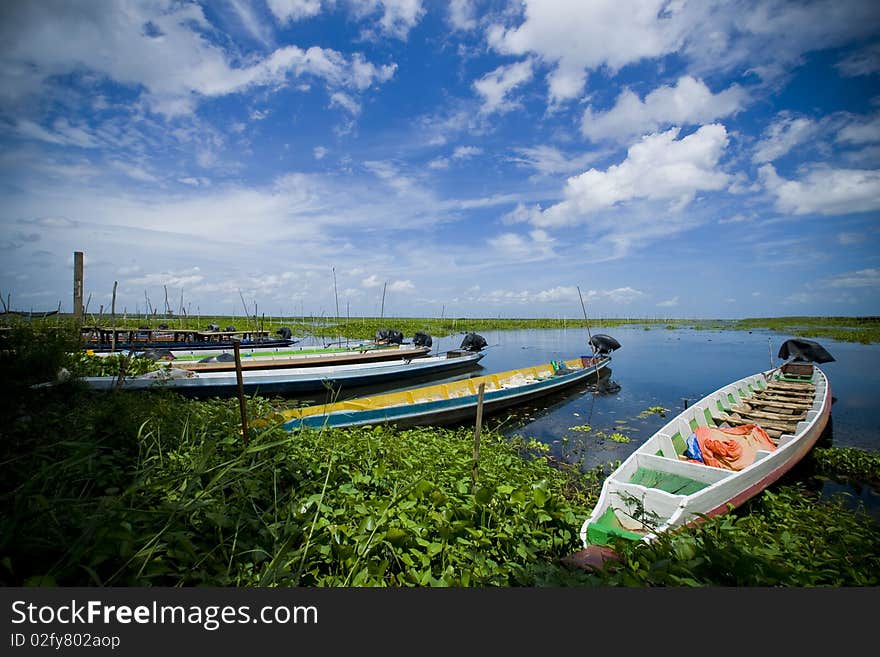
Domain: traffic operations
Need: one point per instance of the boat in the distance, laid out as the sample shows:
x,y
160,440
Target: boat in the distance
x,y
104,339
714,455
289,358
294,380
456,401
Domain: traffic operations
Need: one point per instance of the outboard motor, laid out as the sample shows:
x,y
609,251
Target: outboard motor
x,y
421,339
604,344
163,326
389,336
230,329
804,351
801,355
213,328
473,342
284,332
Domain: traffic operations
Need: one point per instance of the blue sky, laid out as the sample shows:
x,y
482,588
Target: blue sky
x,y
465,158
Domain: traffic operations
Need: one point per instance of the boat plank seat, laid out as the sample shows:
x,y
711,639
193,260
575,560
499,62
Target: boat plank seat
x,y
784,394
674,476
783,406
746,410
777,413
799,386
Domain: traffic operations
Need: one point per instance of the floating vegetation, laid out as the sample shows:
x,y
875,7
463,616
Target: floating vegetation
x,y
586,428
654,410
618,437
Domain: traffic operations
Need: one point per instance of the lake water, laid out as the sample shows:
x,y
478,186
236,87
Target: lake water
x,y
666,368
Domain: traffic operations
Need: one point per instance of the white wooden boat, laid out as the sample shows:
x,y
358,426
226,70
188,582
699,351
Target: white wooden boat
x,y
295,380
289,358
746,435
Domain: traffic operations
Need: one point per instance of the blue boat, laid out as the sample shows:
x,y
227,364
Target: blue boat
x,y
284,381
451,402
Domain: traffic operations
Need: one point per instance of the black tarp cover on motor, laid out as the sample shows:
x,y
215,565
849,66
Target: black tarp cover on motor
x,y
422,339
473,342
604,344
389,336
804,351
284,332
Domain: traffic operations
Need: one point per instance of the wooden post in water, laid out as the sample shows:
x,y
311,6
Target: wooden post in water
x,y
113,320
236,342
78,287
475,474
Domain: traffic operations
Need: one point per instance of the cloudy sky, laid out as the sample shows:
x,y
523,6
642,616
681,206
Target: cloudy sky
x,y
473,158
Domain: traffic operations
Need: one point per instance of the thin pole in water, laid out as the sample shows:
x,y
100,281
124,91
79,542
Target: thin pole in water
x,y
241,402
113,315
475,473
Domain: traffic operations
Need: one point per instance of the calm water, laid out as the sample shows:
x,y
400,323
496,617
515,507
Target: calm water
x,y
666,368
660,367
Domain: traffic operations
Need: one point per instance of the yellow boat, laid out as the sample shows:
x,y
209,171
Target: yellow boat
x,y
455,401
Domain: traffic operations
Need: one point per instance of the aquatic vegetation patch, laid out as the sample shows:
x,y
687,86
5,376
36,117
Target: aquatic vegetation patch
x,y
654,410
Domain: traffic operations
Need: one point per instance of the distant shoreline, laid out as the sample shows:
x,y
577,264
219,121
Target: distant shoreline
x,y
863,330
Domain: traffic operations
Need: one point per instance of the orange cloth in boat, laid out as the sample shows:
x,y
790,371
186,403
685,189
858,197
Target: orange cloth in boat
x,y
732,448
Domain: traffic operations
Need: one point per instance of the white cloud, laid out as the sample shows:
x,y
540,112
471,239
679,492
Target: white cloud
x,y
346,102
861,131
547,160
319,152
846,239
536,245
689,102
465,152
462,14
294,10
856,279
781,136
659,167
173,62
669,303
397,17
494,87
763,37
245,15
863,62
401,286
824,190
573,36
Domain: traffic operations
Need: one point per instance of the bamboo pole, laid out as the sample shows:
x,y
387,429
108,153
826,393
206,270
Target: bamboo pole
x,y
78,287
113,320
236,342
475,473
